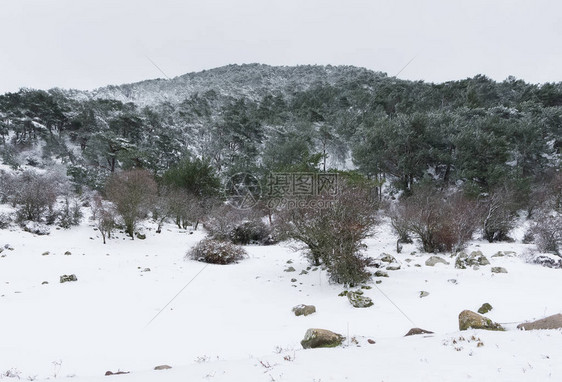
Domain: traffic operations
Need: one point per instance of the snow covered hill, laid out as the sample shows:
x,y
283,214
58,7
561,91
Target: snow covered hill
x,y
234,322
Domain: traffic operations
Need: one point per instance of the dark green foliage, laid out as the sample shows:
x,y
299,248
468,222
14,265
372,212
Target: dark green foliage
x,y
241,118
195,177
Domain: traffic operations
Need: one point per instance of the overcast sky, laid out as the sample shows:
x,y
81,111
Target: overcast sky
x,y
86,44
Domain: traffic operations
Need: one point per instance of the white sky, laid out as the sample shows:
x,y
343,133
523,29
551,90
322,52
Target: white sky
x,y
85,44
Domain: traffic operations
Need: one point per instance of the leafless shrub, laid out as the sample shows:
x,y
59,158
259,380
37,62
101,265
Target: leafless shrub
x,y
439,221
547,232
104,215
499,215
334,234
35,194
132,192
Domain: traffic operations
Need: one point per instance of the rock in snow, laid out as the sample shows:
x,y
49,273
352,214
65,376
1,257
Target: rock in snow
x,y
550,322
433,260
304,310
68,278
358,301
416,331
469,319
321,338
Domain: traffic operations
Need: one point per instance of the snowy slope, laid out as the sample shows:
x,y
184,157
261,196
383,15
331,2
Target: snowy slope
x,y
234,323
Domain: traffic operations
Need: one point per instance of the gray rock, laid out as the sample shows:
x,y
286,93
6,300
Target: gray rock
x,y
499,270
290,269
381,274
358,300
46,253
140,236
433,260
424,293
303,272
393,267
416,331
485,308
453,281
162,367
476,258
321,338
304,310
68,253
68,278
550,322
386,258
469,319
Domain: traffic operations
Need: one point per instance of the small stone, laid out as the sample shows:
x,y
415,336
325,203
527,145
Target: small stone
x,y
378,281
44,283
303,272
372,342
434,260
146,270
289,261
358,301
46,253
293,280
304,310
485,308
68,278
290,269
386,258
393,267
423,293
499,270
140,236
453,281
68,253
416,331
162,367
381,274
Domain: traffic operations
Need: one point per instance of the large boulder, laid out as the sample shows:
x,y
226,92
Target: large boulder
x,y
476,258
304,310
321,338
550,322
434,260
469,319
358,300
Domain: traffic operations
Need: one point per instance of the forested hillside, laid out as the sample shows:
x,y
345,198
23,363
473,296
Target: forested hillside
x,y
257,118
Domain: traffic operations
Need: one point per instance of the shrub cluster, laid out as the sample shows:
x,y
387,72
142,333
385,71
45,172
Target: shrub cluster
x,y
216,252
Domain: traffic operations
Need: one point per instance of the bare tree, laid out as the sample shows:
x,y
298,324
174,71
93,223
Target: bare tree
x,y
333,229
132,192
441,222
104,215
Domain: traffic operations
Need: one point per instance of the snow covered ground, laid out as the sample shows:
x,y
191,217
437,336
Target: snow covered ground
x,y
234,322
